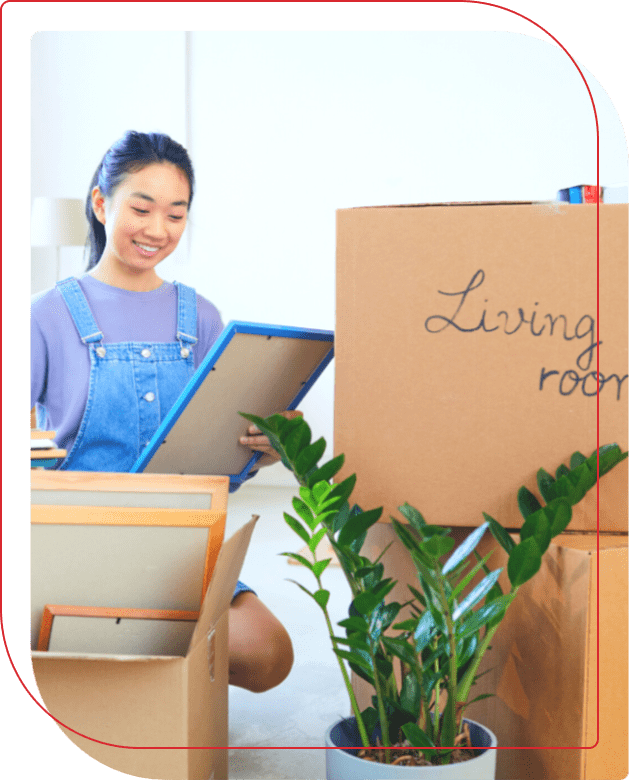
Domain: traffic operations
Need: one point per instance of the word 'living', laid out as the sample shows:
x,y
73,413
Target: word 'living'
x,y
537,325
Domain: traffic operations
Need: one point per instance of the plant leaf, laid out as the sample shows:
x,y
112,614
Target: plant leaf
x,y
546,485
559,514
301,587
355,642
316,539
577,459
320,491
304,512
481,563
465,548
355,658
524,561
400,649
327,471
382,618
527,502
424,631
309,456
609,456
321,597
537,526
357,525
419,739
320,566
306,494
411,695
476,594
561,471
481,617
409,539
299,559
500,534
354,623
344,489
406,625
437,546
341,518
478,698
413,517
296,437
287,427
365,602
296,526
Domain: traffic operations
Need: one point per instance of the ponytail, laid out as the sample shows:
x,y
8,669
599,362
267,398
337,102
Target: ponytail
x,y
95,244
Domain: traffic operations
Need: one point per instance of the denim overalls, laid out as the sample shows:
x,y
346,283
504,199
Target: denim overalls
x,y
132,385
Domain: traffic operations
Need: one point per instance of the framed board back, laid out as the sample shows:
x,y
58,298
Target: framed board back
x,y
123,540
253,368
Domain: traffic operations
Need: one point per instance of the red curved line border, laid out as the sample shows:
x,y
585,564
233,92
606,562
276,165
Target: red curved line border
x,y
257,747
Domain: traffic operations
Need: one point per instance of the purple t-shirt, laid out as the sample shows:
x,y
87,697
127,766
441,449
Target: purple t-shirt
x,y
60,362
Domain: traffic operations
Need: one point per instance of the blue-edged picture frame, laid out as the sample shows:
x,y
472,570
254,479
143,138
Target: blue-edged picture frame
x,y
252,367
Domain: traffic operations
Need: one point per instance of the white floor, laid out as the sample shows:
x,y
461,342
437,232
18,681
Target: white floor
x,y
295,715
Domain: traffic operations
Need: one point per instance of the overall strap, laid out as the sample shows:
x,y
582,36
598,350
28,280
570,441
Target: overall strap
x,y
186,314
79,310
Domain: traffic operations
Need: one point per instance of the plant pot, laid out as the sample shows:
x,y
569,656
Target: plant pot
x,y
344,764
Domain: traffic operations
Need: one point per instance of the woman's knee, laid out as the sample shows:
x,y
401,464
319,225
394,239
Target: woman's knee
x,y
261,652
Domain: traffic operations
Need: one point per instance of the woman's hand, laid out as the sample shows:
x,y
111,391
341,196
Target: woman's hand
x,y
259,443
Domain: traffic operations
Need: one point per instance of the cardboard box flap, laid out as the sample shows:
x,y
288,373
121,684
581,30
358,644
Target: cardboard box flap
x,y
459,203
224,579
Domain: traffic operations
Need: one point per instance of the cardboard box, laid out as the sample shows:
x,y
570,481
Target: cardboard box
x,y
465,351
543,667
149,701
543,663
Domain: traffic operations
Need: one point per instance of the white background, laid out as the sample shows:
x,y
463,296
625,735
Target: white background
x,y
286,127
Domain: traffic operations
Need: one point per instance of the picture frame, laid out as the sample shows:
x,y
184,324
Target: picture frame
x,y
252,367
52,611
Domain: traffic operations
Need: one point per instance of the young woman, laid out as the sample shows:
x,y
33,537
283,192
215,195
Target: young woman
x,y
112,350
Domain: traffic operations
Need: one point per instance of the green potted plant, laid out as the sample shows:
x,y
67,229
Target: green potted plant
x,y
422,664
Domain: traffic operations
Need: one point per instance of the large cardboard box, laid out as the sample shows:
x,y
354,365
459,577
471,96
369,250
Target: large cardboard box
x,y
157,538
466,354
558,664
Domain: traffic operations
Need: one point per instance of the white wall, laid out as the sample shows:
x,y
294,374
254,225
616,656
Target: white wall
x,y
285,128
87,89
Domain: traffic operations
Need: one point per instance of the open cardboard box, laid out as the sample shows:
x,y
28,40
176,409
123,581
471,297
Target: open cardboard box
x,y
465,352
160,537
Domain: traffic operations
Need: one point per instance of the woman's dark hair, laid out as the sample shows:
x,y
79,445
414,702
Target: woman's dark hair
x,y
133,152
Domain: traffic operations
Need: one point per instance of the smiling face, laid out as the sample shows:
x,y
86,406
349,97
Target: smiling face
x,y
144,219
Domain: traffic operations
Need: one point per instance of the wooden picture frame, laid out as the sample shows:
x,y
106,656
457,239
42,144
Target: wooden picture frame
x,y
44,457
51,611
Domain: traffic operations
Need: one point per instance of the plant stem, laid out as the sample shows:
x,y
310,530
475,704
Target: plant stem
x,y
436,693
344,673
450,710
381,709
463,690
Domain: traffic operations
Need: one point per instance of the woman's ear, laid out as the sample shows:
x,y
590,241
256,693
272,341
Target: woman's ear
x,y
98,204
